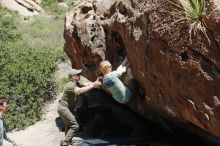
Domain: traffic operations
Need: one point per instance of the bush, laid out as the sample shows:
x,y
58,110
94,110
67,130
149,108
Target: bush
x,y
61,83
53,7
193,9
26,73
44,32
7,25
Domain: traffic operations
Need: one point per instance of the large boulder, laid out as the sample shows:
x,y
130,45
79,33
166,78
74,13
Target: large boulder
x,y
102,119
175,61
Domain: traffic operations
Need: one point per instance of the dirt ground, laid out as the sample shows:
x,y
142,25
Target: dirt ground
x,y
42,133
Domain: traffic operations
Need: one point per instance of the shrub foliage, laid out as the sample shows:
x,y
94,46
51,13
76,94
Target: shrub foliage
x,y
53,7
26,74
193,9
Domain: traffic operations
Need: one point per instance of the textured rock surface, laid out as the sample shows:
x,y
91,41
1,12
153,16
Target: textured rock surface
x,y
23,7
176,65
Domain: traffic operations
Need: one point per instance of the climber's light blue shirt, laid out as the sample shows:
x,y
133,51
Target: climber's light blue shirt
x,y
113,84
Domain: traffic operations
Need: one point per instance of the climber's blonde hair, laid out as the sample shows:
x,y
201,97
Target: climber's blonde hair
x,y
104,65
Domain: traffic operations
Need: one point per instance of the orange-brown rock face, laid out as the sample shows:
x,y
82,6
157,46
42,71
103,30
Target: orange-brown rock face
x,y
175,62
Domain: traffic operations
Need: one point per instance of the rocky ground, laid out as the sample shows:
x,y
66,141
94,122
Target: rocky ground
x,y
14,6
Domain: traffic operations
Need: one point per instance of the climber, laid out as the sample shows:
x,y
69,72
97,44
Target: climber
x,y
72,92
112,83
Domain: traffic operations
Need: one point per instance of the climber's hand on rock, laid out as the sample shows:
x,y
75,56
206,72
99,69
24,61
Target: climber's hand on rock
x,y
97,83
